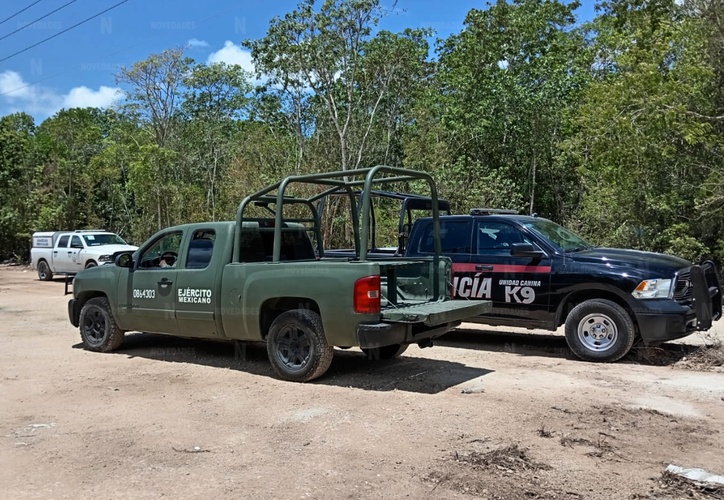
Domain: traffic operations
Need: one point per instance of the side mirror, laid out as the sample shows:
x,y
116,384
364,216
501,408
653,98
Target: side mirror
x,y
526,250
124,260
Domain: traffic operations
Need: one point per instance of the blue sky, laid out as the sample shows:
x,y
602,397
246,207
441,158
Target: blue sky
x,y
76,68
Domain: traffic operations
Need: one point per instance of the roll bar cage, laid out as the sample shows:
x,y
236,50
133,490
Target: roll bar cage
x,y
409,201
344,181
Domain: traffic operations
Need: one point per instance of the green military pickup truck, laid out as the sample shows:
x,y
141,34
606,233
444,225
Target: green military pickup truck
x,y
266,278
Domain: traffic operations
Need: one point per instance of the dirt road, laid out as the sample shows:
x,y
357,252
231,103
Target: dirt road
x,y
173,418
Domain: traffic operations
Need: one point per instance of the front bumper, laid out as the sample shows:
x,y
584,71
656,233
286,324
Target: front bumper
x,y
384,334
73,312
666,319
658,327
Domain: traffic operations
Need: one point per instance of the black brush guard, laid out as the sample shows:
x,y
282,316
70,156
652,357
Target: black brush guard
x,y
707,294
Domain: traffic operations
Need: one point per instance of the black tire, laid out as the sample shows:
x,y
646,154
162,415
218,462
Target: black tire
x,y
600,330
386,352
297,347
98,329
90,263
44,272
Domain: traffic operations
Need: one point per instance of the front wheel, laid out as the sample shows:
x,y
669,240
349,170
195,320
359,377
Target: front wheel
x,y
44,272
91,263
599,330
386,352
98,328
297,346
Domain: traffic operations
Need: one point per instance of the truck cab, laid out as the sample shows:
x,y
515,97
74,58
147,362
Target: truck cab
x,y
540,275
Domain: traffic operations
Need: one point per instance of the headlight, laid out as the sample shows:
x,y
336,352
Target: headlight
x,y
105,258
654,289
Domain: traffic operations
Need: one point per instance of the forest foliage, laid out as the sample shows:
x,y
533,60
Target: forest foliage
x,y
614,127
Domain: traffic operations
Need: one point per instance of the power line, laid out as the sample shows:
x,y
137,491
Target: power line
x,y
20,12
66,71
38,19
64,31
201,20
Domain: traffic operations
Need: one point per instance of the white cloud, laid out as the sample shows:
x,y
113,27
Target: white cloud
x,y
83,97
32,99
232,54
11,80
196,43
17,95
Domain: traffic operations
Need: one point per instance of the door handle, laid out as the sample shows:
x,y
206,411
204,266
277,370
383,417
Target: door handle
x,y
165,282
483,268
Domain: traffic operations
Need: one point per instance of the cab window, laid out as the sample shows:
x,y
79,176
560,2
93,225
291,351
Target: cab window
x,y
561,237
163,253
258,245
201,249
76,243
455,236
497,237
96,240
63,243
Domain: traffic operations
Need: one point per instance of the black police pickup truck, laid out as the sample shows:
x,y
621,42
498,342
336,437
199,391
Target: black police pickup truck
x,y
541,275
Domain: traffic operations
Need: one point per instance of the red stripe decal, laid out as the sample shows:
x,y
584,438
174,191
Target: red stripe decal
x,y
499,268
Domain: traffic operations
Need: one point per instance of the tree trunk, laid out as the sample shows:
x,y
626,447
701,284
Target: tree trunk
x,y
532,183
343,149
213,189
158,209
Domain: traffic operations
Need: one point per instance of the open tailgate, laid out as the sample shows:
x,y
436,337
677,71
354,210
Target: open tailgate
x,y
436,313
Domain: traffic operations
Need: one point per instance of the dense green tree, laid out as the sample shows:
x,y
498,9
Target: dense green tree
x,y
639,145
70,140
19,181
214,103
503,93
322,52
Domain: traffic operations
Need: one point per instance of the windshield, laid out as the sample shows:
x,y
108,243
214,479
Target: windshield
x,y
96,240
558,235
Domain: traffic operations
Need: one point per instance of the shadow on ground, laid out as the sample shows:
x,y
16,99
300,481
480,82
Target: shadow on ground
x,y
350,368
554,346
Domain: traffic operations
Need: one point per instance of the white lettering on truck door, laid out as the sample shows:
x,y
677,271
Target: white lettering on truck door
x,y
469,288
526,292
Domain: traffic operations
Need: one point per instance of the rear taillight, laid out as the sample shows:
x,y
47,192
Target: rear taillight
x,y
367,295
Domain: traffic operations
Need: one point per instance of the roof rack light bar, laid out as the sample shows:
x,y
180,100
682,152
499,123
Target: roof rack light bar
x,y
492,211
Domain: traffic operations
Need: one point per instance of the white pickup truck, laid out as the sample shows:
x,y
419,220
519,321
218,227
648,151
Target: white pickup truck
x,y
69,252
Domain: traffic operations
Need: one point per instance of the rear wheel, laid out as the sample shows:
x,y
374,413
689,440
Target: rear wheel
x,y
44,272
599,330
386,352
98,328
297,346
